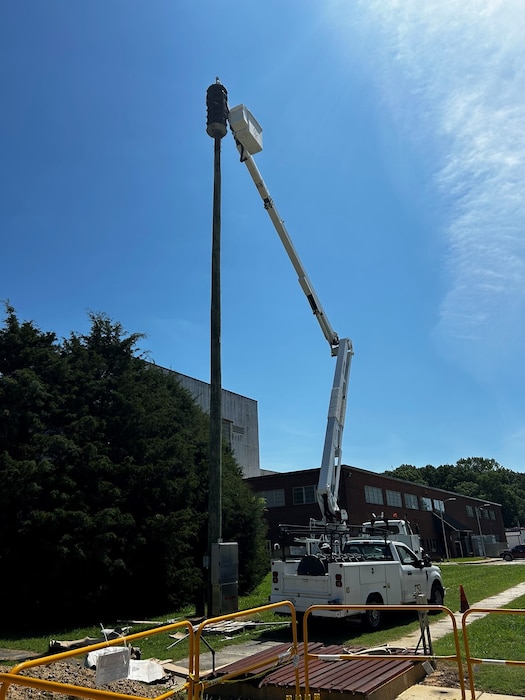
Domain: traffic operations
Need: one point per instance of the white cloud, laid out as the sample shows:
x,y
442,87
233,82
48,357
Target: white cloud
x,y
453,76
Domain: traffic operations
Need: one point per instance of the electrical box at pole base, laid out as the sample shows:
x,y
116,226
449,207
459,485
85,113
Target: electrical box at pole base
x,y
224,578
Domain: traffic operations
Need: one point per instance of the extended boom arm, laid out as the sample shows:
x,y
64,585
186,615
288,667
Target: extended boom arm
x,y
247,134
329,333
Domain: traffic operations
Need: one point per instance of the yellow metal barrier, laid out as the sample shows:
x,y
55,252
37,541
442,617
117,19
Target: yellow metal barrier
x,y
195,685
198,685
14,677
406,657
472,660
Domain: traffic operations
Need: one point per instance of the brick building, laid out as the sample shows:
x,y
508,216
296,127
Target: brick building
x,y
471,526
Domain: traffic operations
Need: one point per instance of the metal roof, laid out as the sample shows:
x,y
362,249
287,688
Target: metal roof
x,y
357,678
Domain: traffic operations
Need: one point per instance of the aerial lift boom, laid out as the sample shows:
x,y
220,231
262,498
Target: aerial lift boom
x,y
248,138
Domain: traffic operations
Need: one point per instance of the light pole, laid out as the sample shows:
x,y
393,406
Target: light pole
x,y
443,526
478,508
216,127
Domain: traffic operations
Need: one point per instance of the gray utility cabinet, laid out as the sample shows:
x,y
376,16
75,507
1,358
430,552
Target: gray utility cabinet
x,y
224,577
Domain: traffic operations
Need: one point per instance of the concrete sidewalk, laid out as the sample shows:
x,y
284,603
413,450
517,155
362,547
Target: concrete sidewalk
x,y
442,627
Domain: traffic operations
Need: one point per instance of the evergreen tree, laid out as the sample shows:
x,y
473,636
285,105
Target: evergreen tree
x,y
244,523
103,491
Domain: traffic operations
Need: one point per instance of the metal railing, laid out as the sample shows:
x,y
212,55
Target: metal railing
x,y
471,661
195,685
14,677
198,685
387,656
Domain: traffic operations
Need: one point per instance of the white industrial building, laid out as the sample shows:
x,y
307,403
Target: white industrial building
x,y
240,421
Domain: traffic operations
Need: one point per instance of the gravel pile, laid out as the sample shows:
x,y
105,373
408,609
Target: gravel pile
x,y
74,673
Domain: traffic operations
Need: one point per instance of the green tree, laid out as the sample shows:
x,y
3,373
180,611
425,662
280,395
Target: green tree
x,y
244,523
30,375
407,472
103,467
477,477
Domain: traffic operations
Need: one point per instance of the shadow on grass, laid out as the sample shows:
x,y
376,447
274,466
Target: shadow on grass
x,y
340,632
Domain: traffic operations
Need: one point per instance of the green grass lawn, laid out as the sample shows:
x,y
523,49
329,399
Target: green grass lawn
x,y
496,636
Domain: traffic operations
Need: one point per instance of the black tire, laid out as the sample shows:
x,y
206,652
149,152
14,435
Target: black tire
x,y
437,594
373,619
507,557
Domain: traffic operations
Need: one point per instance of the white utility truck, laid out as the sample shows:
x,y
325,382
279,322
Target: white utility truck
x,y
361,571
322,564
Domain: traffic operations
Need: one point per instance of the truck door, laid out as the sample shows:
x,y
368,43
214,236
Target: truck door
x,y
413,577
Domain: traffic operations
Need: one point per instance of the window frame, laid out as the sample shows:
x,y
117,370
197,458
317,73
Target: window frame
x,y
273,498
309,489
372,492
411,501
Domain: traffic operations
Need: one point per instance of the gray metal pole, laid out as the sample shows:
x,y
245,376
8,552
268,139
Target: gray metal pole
x,y
217,107
443,526
444,537
482,543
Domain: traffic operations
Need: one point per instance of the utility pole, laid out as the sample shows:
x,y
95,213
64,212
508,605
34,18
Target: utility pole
x,y
216,127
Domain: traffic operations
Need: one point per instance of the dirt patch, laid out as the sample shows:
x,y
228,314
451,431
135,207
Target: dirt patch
x,y
445,676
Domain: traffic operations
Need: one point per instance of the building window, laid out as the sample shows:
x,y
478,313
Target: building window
x,y
411,501
274,498
303,495
426,503
439,505
492,515
470,511
393,498
430,544
373,495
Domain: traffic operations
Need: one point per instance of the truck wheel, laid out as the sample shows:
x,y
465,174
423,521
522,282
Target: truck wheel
x,y
437,594
373,619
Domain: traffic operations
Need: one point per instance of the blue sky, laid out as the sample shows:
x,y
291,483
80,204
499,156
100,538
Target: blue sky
x,y
394,150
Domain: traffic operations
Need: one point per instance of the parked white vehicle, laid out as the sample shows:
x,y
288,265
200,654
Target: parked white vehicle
x,y
366,572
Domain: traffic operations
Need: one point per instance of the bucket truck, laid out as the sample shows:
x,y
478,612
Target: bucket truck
x,y
334,568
